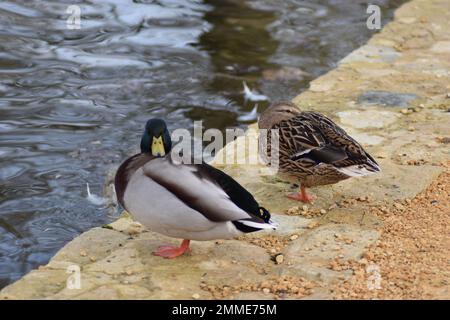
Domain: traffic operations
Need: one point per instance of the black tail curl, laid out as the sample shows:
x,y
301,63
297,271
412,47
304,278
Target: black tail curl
x,y
264,214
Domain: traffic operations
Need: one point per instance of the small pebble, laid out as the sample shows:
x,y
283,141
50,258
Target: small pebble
x,y
266,290
279,259
333,206
134,228
363,261
398,205
313,224
196,296
294,237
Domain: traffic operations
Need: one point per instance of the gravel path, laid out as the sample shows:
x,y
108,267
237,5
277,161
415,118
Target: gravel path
x,y
412,254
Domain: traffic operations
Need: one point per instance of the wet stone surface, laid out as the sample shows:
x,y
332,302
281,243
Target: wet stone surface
x,y
385,98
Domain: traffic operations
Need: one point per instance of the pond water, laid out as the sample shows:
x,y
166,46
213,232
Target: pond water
x,y
73,102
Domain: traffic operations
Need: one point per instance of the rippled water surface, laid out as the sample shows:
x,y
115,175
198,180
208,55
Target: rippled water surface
x,y
73,102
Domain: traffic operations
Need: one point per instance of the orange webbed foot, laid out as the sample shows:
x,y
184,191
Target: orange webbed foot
x,y
299,197
170,252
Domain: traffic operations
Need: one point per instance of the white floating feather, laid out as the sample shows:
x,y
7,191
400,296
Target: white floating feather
x,y
94,199
252,96
251,116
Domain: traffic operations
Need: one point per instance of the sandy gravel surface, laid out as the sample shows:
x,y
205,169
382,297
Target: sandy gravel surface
x,y
413,253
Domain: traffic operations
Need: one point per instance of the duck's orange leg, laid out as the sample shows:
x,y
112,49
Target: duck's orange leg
x,y
170,252
301,195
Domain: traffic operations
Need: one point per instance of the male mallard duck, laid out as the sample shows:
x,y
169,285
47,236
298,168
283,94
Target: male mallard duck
x,y
188,201
313,149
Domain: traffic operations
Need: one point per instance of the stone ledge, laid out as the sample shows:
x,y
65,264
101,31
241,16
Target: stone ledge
x,y
391,94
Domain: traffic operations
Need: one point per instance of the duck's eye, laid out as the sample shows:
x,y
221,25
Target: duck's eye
x,y
157,147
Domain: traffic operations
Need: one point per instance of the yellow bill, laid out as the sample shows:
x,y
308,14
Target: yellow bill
x,y
158,147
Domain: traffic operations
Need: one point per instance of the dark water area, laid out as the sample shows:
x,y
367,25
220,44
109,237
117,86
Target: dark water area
x,y
73,102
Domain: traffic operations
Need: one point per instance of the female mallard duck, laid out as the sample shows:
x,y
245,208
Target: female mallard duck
x,y
313,149
188,201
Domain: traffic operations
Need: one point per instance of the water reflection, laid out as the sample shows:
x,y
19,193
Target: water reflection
x,y
73,102
240,47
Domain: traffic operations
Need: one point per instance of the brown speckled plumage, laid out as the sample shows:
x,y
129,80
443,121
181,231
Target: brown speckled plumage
x,y
313,149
